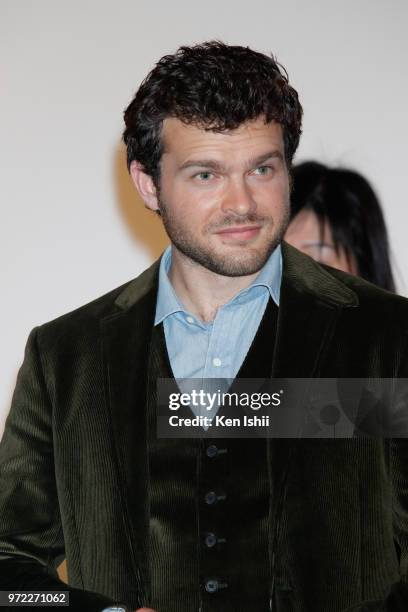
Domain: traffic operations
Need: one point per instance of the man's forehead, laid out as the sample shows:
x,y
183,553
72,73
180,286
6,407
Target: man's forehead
x,y
184,139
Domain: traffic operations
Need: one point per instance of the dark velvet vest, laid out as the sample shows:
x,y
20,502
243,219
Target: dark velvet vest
x,y
210,504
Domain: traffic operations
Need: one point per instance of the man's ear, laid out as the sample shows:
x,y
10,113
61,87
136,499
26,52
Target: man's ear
x,y
145,185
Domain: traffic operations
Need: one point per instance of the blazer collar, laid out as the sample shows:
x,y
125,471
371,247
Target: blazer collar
x,y
138,288
304,275
311,300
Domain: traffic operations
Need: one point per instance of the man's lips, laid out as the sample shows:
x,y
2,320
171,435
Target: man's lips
x,y
244,232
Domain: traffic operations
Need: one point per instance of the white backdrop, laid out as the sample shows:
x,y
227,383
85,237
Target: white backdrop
x,y
71,226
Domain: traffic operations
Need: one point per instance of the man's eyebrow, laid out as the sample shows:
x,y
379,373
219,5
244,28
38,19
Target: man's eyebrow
x,y
214,165
257,161
201,163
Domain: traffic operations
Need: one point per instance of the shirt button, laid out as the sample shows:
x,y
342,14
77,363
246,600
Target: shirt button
x,y
210,540
190,319
210,498
212,586
217,361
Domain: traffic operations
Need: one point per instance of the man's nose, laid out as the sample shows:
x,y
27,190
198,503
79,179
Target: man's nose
x,y
238,198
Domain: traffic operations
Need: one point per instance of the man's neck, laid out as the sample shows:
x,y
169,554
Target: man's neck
x,y
201,291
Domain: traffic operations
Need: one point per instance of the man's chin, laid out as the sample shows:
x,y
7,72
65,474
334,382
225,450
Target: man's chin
x,y
235,272
234,265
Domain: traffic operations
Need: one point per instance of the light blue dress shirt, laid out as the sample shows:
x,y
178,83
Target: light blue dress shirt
x,y
216,349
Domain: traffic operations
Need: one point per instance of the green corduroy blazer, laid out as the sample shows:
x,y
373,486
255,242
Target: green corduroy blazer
x,y
73,458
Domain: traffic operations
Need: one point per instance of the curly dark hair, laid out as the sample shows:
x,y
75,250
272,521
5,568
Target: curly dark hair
x,y
214,86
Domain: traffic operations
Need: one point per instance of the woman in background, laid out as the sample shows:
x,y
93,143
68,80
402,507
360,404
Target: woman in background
x,y
336,218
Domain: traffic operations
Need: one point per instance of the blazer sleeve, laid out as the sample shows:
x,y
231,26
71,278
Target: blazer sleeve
x,y
31,537
397,598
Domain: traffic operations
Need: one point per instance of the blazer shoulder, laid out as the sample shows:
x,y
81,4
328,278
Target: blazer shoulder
x,y
86,318
371,296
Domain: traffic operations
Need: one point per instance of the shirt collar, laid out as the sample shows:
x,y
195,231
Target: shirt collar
x,y
168,303
167,300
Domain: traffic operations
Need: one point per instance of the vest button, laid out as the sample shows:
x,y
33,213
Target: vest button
x,y
212,586
210,498
210,540
212,451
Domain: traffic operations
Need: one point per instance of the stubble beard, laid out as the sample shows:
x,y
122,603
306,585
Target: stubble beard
x,y
250,261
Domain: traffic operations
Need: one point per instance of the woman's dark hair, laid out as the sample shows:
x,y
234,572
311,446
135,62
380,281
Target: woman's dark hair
x,y
214,86
347,202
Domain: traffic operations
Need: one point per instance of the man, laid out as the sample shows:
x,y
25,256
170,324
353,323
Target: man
x,y
210,525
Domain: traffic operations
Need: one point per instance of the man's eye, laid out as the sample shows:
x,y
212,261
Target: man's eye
x,y
204,176
263,170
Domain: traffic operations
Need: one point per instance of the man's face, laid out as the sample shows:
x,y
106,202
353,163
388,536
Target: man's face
x,y
224,197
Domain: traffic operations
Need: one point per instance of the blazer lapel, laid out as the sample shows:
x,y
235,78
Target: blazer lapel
x,y
311,300
126,336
